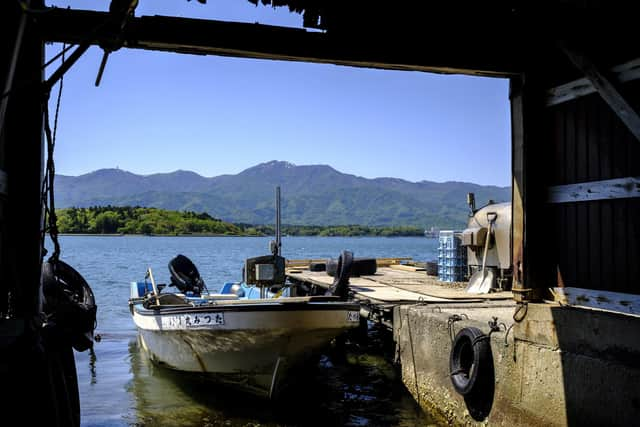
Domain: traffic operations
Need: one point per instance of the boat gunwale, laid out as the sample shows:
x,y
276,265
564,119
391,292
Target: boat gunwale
x,y
266,306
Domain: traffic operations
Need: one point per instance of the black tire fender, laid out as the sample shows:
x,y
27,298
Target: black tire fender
x,y
69,303
364,267
470,356
361,267
318,266
340,286
331,267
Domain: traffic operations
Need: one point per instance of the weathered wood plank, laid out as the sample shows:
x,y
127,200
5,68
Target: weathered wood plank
x,y
406,267
381,262
595,148
570,275
391,285
622,188
252,40
603,300
606,89
626,72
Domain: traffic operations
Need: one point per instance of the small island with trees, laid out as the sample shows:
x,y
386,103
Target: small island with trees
x,y
109,220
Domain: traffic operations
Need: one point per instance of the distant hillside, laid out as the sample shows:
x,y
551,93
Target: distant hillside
x,y
311,195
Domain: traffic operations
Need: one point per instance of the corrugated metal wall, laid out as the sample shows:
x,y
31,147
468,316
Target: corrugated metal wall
x,y
597,243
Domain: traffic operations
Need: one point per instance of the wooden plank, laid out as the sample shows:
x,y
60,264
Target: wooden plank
x,y
366,289
582,210
299,263
621,188
593,169
252,40
451,293
559,147
626,72
571,223
406,267
383,262
602,300
517,186
607,243
390,285
606,89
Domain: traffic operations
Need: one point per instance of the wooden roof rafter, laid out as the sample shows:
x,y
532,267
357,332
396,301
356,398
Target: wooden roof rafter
x,y
484,56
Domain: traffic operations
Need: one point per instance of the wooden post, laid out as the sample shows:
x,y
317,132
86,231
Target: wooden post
x,y
21,158
532,251
36,367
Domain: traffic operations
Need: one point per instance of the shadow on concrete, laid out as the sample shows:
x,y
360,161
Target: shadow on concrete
x,y
480,400
600,362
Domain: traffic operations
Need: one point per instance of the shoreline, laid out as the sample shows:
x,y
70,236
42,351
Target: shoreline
x,y
157,235
216,235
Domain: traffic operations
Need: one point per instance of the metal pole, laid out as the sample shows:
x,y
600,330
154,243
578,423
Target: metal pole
x,y
278,242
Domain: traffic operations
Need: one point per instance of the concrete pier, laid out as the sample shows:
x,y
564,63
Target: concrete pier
x,y
551,364
558,366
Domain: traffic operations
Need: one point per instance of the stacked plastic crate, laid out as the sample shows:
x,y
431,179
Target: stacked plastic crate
x,y
452,257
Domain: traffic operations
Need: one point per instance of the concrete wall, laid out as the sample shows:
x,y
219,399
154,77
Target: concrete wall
x,y
558,366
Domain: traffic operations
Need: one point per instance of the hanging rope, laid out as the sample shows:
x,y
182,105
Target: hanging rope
x,y
47,190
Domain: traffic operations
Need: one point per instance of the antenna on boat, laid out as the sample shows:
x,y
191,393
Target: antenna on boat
x,y
276,246
267,270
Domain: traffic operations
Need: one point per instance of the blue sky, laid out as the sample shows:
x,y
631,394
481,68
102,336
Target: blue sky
x,y
159,112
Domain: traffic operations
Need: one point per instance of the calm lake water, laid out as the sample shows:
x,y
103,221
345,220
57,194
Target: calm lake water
x,y
120,387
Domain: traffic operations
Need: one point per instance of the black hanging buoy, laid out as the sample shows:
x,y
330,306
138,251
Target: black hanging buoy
x,y
69,303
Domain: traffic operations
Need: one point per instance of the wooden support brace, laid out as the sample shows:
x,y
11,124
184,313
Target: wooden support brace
x,y
605,88
621,188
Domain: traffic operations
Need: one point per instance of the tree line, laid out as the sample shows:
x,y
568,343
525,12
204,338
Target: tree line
x,y
139,220
154,221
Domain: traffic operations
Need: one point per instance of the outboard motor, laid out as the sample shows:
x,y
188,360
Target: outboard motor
x,y
185,275
340,286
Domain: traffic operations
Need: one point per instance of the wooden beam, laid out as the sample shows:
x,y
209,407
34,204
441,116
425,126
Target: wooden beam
x,y
595,299
623,73
533,267
605,88
622,188
517,188
374,49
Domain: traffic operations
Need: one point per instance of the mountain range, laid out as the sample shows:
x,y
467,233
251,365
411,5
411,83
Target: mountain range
x,y
311,195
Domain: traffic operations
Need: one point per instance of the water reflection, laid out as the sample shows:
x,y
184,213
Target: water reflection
x,y
355,388
92,365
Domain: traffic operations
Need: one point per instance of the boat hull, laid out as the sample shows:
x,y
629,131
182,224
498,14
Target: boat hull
x,y
256,347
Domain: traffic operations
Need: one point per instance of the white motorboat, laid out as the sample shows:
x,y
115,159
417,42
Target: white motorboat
x,y
253,334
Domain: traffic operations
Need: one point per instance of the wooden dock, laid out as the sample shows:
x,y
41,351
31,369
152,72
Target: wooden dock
x,y
394,283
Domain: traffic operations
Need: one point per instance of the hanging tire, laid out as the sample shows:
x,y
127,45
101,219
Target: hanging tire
x,y
432,268
318,266
360,267
340,286
69,303
331,267
470,360
364,267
